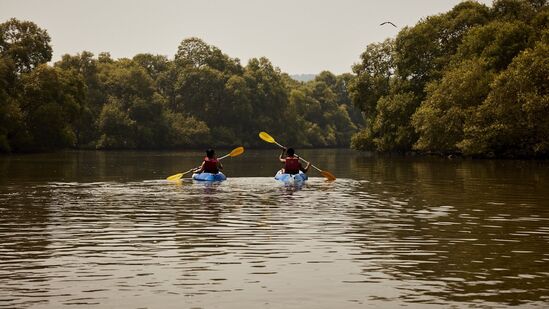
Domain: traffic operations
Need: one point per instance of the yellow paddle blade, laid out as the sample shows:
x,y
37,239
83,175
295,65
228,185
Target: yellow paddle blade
x,y
237,151
179,176
328,175
175,177
266,137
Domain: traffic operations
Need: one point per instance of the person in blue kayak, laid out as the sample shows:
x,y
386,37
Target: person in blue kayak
x,y
291,162
210,164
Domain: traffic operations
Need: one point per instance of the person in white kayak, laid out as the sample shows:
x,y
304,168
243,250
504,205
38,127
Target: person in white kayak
x,y
291,162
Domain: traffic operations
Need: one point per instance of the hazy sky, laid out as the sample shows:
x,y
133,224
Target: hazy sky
x,y
299,36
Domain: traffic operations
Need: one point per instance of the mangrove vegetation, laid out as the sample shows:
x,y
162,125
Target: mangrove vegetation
x,y
471,81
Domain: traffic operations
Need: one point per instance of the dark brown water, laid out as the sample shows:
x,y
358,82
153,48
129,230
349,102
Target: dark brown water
x,y
104,230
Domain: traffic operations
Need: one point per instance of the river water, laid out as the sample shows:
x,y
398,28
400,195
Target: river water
x,y
105,230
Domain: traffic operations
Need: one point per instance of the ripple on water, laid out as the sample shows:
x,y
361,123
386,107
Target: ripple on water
x,y
343,244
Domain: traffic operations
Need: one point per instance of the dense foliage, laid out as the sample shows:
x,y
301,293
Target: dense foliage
x,y
200,98
471,81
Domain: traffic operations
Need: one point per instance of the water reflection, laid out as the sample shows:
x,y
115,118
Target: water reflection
x,y
454,253
389,232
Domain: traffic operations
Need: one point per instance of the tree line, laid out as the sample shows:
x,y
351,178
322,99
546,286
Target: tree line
x,y
472,81
201,98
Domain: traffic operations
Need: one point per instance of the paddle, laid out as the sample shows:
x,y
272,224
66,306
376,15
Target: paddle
x,y
269,139
235,152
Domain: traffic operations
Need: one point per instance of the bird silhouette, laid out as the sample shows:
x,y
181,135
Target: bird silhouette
x,y
388,22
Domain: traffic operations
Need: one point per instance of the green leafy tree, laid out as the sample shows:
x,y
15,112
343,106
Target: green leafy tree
x,y
497,42
86,124
540,25
515,10
237,112
166,84
195,53
432,88
294,116
373,75
116,127
50,104
375,79
392,129
319,111
186,131
131,92
514,119
343,126
440,76
11,118
450,103
201,91
25,43
155,65
341,90
268,96
331,116
423,51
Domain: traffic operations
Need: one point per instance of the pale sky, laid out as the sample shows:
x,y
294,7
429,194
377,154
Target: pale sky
x,y
298,36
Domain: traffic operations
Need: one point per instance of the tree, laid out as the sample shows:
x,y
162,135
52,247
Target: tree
x,y
87,67
268,96
155,65
237,111
25,43
341,90
514,119
440,77
392,130
50,104
422,51
134,106
116,127
515,10
373,75
165,84
186,131
497,42
195,53
450,104
11,118
125,80
199,92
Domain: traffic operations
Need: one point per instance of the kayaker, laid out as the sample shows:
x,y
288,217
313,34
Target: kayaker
x,y
210,164
291,162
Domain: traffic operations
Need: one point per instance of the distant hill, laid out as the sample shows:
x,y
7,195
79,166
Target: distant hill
x,y
303,77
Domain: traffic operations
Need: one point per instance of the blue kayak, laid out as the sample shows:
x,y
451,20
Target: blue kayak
x,y
289,178
209,177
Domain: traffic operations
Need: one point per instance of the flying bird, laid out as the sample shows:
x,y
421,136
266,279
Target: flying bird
x,y
388,22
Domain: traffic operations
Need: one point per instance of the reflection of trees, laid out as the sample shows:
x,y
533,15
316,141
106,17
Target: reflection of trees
x,y
96,166
467,230
24,242
5,163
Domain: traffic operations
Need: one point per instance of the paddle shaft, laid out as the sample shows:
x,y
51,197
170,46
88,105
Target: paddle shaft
x,y
223,157
316,168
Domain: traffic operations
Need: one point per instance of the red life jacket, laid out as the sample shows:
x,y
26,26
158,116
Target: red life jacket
x,y
210,165
292,165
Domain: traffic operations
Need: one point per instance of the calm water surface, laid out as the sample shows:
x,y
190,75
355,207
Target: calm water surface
x,y
104,230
